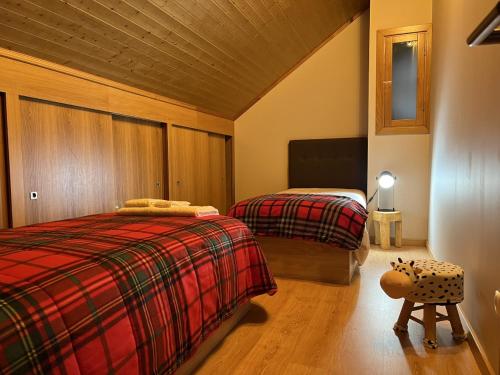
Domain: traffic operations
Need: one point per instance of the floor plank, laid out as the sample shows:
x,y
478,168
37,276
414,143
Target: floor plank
x,y
314,328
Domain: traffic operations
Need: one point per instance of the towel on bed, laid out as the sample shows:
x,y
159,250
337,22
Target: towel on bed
x,y
147,202
190,211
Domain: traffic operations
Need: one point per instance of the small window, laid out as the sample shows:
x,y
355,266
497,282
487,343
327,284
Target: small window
x,y
403,80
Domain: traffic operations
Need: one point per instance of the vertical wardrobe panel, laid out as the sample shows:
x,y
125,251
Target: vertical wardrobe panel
x,y
217,168
139,158
67,157
189,166
199,167
229,173
4,209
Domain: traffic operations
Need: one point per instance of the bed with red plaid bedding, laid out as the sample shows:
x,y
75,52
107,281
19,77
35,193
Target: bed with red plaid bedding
x,y
111,294
332,219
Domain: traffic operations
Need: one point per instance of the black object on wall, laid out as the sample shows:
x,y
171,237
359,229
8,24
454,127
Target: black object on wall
x,y
328,163
488,31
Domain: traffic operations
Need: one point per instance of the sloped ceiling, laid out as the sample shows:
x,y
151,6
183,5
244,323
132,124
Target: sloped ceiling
x,y
219,55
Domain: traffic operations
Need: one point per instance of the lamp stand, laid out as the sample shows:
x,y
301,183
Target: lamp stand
x,y
378,201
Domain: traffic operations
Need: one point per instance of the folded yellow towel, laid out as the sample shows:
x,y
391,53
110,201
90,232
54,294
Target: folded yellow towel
x,y
190,211
147,202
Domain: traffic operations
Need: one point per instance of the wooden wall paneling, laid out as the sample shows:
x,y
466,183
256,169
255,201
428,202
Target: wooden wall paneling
x,y
30,80
100,59
218,176
4,201
56,52
220,55
150,16
129,104
138,159
52,45
67,157
36,78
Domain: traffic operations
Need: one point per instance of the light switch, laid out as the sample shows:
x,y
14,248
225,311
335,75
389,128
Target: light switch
x,y
33,195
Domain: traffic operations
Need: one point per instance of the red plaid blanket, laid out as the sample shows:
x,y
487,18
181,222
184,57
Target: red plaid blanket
x,y
112,294
332,219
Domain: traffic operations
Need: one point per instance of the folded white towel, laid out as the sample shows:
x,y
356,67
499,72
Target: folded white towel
x,y
148,202
190,211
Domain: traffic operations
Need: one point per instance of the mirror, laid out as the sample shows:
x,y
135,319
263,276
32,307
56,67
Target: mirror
x,y
404,80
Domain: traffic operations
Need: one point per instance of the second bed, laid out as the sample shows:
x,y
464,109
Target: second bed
x,y
319,233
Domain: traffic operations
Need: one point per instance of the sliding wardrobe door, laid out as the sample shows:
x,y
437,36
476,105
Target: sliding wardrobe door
x,y
198,167
4,209
217,168
188,161
67,161
139,159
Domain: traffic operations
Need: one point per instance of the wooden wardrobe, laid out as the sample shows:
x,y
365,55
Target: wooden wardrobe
x,y
72,145
80,162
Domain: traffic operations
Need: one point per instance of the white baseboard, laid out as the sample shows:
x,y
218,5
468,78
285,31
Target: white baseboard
x,y
474,341
480,354
405,242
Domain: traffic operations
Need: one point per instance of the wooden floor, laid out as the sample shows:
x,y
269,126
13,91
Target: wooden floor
x,y
312,328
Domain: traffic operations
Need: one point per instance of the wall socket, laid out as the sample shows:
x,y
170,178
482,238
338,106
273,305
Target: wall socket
x,y
33,195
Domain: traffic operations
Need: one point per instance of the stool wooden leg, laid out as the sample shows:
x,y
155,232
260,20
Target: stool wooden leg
x,y
402,323
399,233
385,236
430,326
456,325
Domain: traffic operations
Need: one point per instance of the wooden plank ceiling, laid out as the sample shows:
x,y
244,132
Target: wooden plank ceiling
x,y
219,55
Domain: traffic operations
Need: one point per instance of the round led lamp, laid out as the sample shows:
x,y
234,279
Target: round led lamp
x,y
386,180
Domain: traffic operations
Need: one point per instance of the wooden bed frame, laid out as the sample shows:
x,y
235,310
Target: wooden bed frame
x,y
213,340
308,260
319,163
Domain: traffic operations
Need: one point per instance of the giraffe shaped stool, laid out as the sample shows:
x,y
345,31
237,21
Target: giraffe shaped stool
x,y
430,283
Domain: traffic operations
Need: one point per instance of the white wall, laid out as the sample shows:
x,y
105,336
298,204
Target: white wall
x,y
325,97
464,225
407,156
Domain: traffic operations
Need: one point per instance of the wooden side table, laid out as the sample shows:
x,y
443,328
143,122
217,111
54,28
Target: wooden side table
x,y
383,232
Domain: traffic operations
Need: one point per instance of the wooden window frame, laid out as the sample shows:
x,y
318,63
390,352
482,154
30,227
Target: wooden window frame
x,y
385,39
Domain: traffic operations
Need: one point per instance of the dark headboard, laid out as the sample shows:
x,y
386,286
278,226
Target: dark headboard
x,y
328,163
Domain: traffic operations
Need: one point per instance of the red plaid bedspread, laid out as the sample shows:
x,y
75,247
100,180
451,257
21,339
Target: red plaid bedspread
x,y
112,294
331,219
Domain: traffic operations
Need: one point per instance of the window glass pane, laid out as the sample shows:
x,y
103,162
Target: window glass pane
x,y
404,80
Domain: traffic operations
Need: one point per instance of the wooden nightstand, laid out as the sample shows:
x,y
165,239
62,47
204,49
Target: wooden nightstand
x,y
383,220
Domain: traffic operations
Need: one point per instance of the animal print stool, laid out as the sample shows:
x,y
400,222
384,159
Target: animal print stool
x,y
431,283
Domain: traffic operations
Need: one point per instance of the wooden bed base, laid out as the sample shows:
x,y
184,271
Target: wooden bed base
x,y
308,260
215,338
